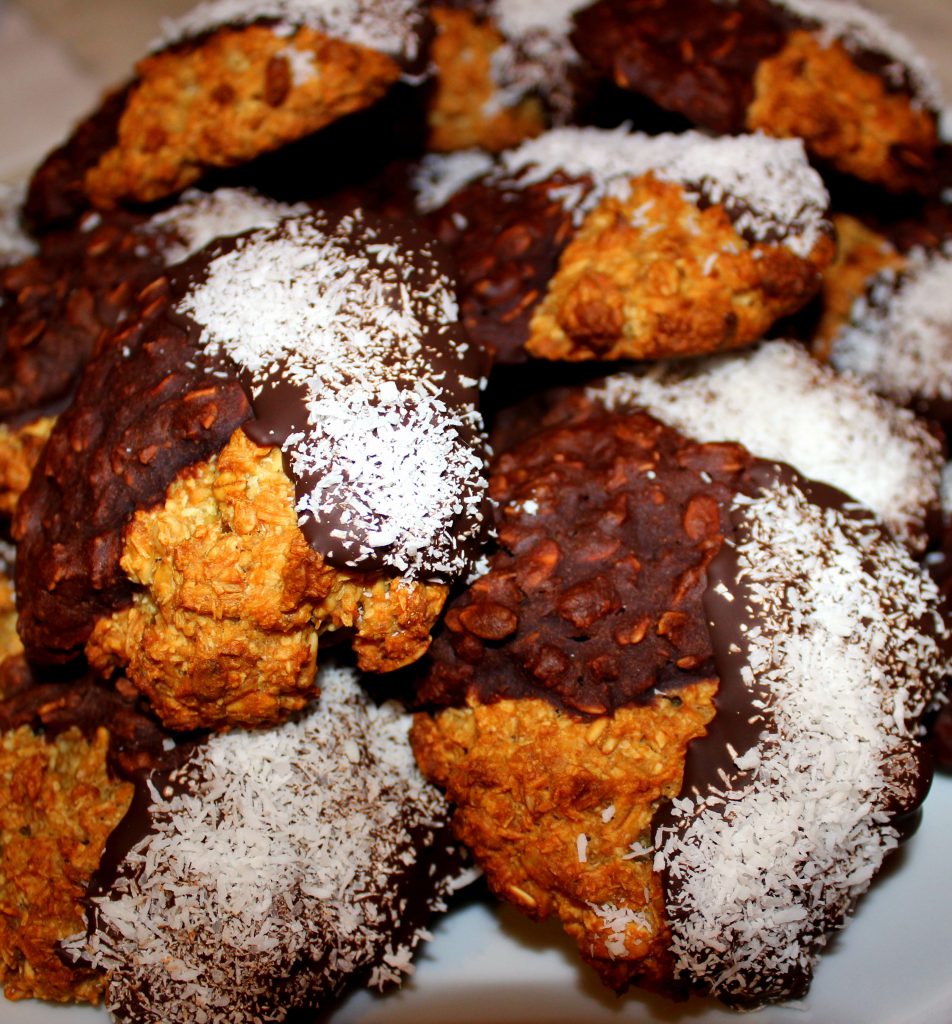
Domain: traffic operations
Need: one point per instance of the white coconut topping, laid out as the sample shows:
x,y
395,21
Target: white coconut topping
x,y
859,28
536,55
200,217
766,184
780,404
440,175
15,243
342,315
840,643
519,18
278,873
899,335
389,26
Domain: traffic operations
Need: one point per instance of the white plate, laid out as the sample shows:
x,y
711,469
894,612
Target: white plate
x,y
489,965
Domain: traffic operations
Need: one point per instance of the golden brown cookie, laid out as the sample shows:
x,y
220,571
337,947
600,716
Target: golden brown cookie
x,y
223,492
858,94
231,601
586,244
226,83
631,708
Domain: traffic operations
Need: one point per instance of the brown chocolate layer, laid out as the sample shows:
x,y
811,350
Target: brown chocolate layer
x,y
607,524
147,406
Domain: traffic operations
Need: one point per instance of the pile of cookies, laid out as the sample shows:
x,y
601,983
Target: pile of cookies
x,y
479,437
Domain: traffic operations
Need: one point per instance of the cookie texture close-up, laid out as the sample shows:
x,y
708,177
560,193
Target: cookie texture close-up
x,y
833,74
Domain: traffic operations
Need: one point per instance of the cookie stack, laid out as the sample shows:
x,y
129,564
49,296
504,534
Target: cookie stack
x,y
586,365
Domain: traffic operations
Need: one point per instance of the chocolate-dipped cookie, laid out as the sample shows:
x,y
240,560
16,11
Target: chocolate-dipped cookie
x,y
588,244
291,448
827,71
674,638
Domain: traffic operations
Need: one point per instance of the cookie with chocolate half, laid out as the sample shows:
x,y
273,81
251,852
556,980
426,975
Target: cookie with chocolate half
x,y
81,283
282,443
588,244
783,405
679,708
827,71
226,82
357,847
504,72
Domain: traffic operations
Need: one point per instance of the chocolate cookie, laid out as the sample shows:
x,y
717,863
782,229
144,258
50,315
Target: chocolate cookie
x,y
226,82
589,244
206,560
674,638
833,74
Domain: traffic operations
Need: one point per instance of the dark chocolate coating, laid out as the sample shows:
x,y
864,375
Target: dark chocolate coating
x,y
146,407
507,241
56,305
699,57
594,598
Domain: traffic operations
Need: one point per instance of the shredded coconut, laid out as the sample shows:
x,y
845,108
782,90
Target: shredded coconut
x,y
440,175
616,921
200,217
780,404
389,26
842,645
277,873
345,316
766,184
15,243
899,335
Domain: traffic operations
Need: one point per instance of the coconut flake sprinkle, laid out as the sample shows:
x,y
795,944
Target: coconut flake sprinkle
x,y
767,186
899,335
845,638
280,868
346,334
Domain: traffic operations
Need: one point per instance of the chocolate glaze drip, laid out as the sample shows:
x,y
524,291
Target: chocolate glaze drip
x,y
279,406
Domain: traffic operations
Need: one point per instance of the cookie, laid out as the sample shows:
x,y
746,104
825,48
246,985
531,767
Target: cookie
x,y
834,74
643,662
226,82
358,857
589,244
283,442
